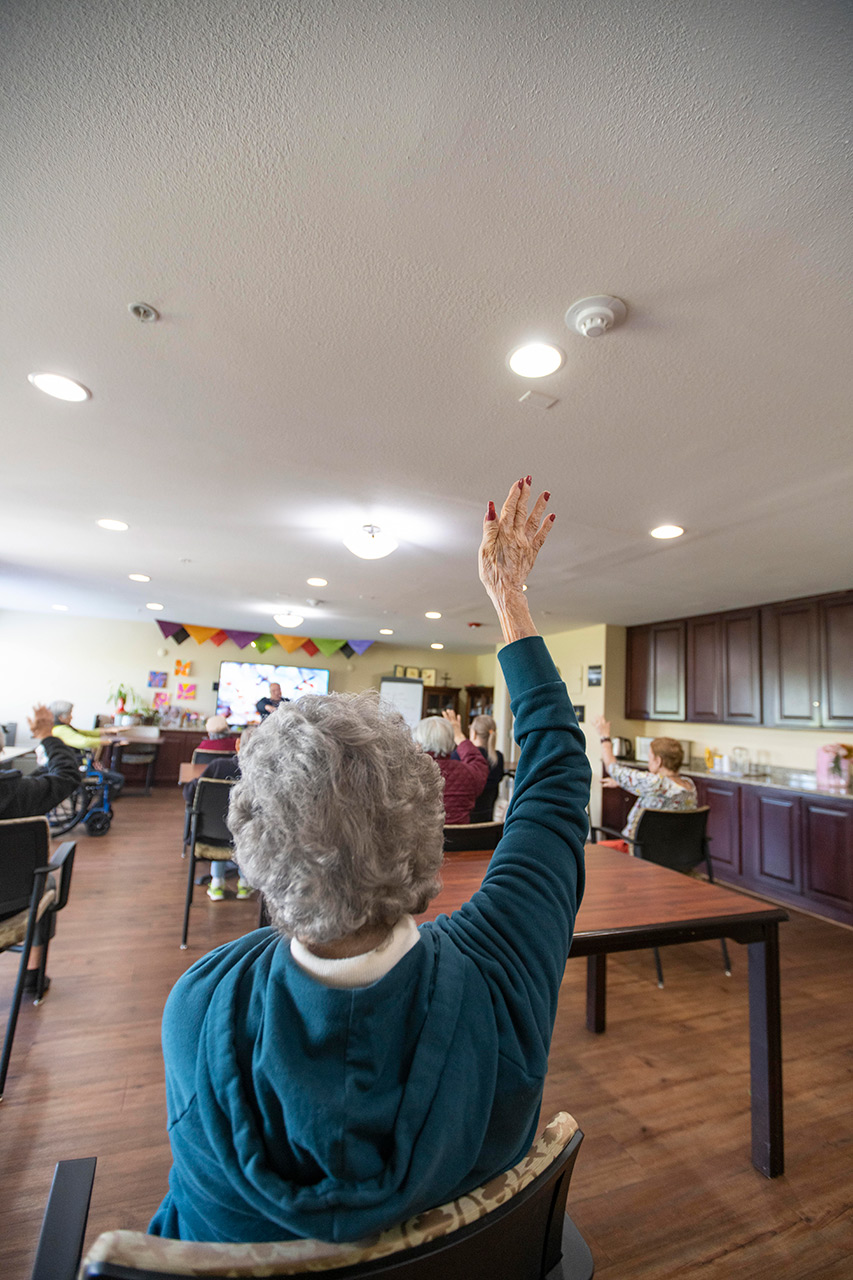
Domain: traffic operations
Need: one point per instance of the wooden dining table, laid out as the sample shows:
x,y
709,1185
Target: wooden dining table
x,y
630,905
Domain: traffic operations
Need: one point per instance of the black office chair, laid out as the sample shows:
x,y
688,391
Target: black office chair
x,y
514,1227
210,840
673,838
467,837
208,755
26,897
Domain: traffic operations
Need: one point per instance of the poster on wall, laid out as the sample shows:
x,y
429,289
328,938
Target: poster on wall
x,y
161,700
186,692
183,668
157,679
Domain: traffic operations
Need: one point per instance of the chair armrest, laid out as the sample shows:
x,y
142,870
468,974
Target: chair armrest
x,y
63,861
63,1227
609,831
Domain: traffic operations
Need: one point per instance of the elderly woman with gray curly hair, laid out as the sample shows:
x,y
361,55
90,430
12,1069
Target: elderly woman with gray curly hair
x,y
345,1069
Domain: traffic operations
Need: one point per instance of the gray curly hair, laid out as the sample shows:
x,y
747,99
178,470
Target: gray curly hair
x,y
434,734
338,817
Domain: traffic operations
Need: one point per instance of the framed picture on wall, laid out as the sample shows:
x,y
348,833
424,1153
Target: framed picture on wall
x,y
428,675
399,672
413,673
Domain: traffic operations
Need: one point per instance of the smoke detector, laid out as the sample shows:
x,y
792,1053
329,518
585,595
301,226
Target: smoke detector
x,y
593,317
143,311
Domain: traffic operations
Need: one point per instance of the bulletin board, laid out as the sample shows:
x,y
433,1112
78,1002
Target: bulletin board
x,y
406,695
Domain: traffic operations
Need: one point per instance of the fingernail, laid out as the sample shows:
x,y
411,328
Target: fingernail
x,y
490,514
547,496
552,518
530,479
521,484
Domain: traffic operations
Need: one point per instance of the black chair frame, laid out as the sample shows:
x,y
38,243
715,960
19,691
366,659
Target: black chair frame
x,y
207,826
528,1238
19,899
673,838
466,837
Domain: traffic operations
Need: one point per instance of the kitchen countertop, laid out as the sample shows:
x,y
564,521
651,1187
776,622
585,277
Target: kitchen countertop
x,y
795,780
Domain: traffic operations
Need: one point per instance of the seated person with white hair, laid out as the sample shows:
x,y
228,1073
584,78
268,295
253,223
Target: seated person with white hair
x,y
86,740
220,736
345,1069
464,777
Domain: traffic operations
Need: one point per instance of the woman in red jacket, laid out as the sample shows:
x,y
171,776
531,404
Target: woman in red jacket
x,y
465,777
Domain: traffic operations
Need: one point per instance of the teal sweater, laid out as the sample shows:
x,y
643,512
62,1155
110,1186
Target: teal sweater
x,y
296,1109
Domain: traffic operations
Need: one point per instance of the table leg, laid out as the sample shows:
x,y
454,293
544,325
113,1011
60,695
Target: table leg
x,y
596,993
765,1053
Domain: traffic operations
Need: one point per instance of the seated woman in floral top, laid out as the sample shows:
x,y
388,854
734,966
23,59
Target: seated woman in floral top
x,y
659,788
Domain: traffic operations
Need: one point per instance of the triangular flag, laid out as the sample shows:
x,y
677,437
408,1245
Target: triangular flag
x,y
168,628
328,647
219,638
264,642
360,646
180,635
310,648
347,650
242,638
291,643
200,634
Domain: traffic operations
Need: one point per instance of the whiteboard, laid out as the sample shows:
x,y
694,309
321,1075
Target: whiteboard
x,y
406,695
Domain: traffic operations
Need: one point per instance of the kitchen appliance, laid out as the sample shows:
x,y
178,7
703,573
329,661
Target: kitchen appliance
x,y
623,748
641,750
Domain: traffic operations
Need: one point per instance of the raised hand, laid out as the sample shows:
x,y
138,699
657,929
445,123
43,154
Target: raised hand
x,y
508,551
41,722
602,726
455,722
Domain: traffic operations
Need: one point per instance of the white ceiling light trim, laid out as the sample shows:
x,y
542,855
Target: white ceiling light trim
x,y
288,619
386,631
536,359
60,387
317,582
436,646
667,531
155,607
370,542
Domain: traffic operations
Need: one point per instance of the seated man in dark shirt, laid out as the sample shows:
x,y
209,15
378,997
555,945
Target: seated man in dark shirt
x,y
27,797
265,706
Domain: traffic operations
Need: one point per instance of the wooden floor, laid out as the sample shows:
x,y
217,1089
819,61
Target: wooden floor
x,y
663,1186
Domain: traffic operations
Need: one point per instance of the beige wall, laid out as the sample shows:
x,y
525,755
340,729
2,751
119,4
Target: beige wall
x,y
44,657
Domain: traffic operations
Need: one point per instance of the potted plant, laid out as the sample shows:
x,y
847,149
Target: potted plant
x,y
121,694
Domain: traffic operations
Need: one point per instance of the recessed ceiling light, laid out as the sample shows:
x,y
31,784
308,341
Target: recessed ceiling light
x,y
385,631
436,646
117,526
535,359
54,384
288,619
139,577
432,614
155,607
60,608
253,645
370,543
317,582
667,531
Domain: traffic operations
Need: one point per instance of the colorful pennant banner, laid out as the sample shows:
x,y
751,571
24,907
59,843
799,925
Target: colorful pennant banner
x,y
263,640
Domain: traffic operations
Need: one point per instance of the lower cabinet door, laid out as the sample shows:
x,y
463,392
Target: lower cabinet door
x,y
827,827
616,804
772,847
723,800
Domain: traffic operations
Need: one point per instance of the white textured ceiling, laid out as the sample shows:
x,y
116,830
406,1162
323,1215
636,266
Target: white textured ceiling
x,y
348,213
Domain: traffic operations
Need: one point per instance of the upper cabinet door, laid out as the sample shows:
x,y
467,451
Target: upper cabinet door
x,y
704,670
667,670
740,651
637,674
790,649
836,631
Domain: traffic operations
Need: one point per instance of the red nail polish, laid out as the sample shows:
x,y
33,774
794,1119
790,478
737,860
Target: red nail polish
x,y
490,514
547,497
552,518
521,484
530,479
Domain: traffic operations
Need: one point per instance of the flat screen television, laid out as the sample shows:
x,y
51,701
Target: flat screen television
x,y
243,684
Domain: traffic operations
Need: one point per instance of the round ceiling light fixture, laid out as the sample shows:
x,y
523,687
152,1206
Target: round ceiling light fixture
x,y
114,526
369,542
432,614
288,619
385,631
436,646
593,317
139,577
60,387
316,582
536,359
667,531
156,607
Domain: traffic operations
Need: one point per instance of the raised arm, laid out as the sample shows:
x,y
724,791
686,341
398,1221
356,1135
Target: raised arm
x,y
41,792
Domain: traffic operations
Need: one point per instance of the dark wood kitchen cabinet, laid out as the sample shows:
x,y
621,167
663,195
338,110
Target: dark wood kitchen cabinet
x,y
836,661
827,834
790,640
724,800
771,840
723,668
176,748
655,668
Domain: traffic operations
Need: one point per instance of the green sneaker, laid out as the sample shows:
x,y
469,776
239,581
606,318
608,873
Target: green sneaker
x,y
215,892
243,890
